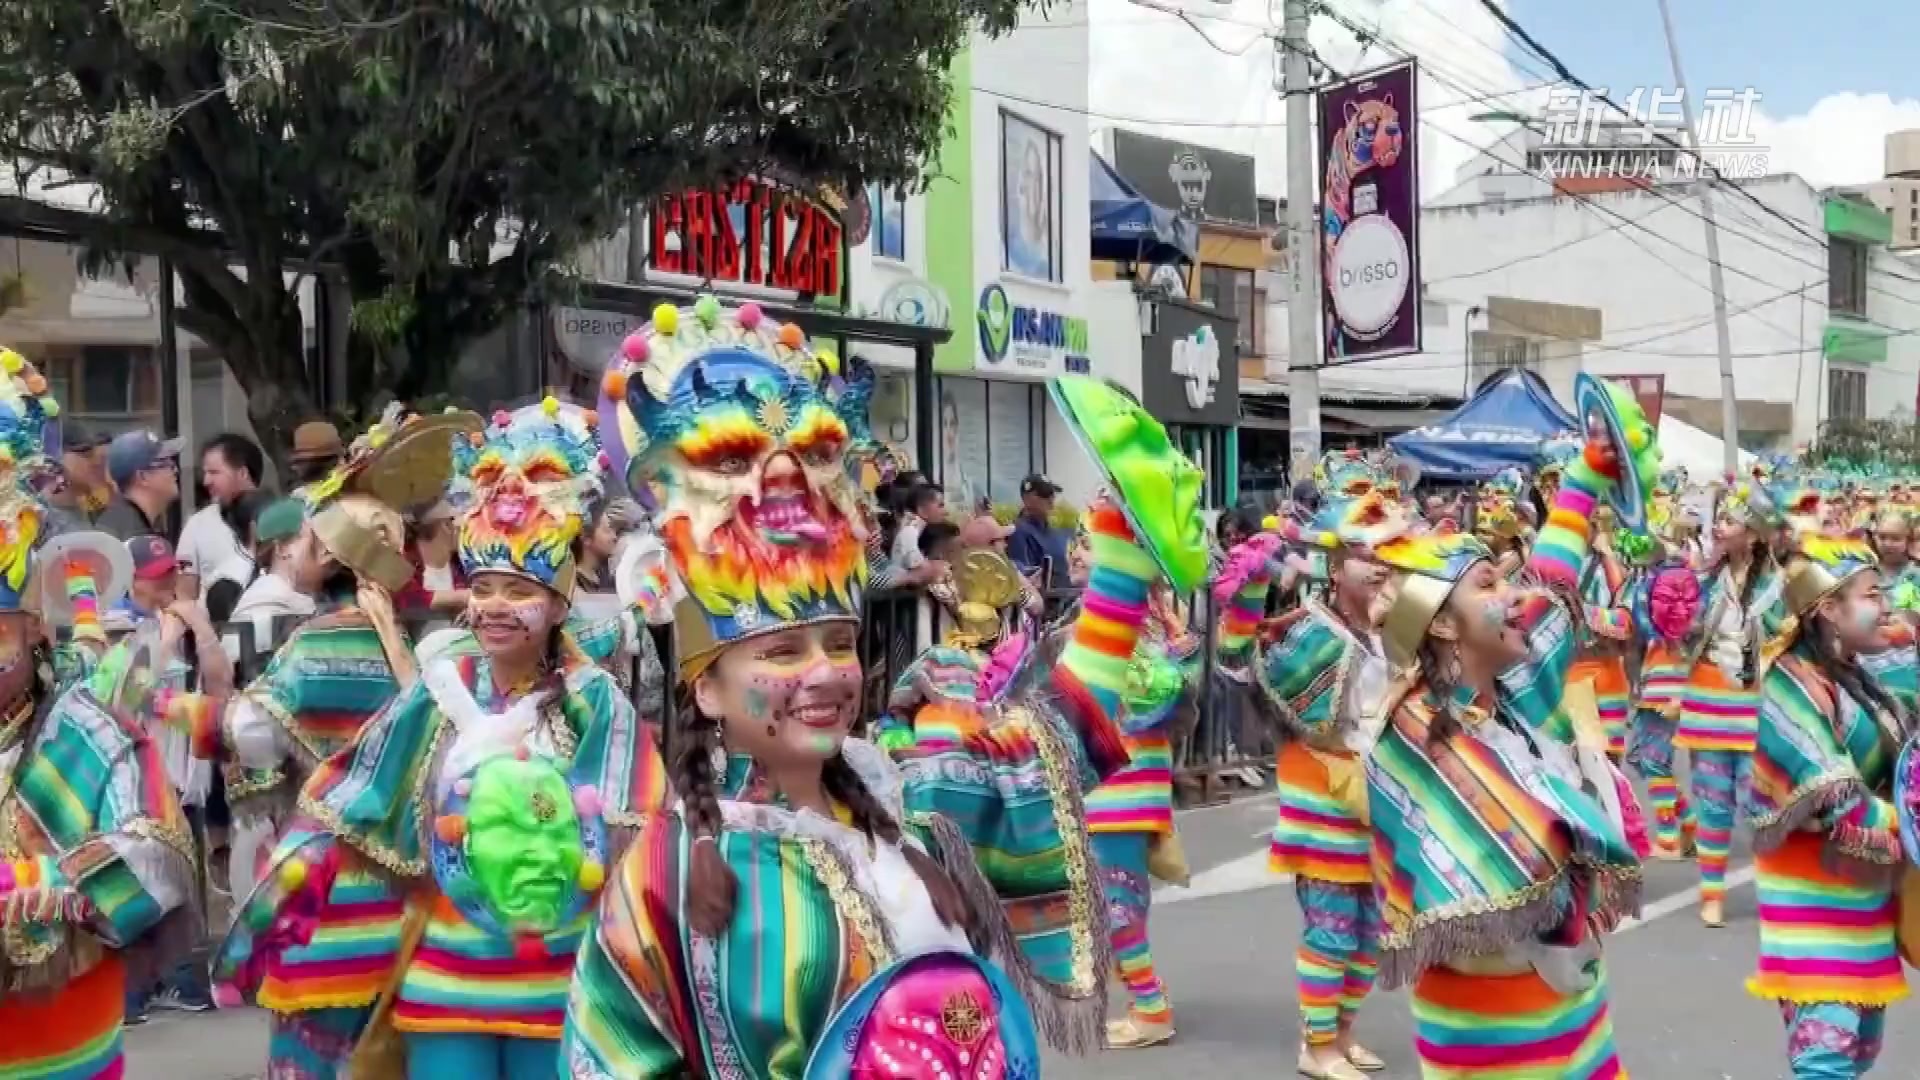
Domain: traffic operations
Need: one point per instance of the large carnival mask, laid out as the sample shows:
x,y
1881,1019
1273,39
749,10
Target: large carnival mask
x,y
749,439
523,841
27,419
1160,490
526,483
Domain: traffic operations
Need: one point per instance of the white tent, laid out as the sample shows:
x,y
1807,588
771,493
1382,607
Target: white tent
x,y
1702,455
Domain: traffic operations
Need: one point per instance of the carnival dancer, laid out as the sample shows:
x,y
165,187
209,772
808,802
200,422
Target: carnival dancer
x,y
803,910
494,792
1500,521
1892,538
1827,845
1719,709
1666,586
320,688
96,863
1130,815
1320,678
1500,852
1604,630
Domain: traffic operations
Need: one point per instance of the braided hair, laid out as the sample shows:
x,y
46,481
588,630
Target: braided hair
x,y
1823,648
1438,671
713,888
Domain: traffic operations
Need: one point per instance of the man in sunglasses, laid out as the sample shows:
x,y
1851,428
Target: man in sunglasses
x,y
146,470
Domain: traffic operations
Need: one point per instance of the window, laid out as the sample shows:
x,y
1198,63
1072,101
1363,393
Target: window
x,y
889,231
1030,210
1913,196
1494,352
1846,276
1846,394
992,435
1230,291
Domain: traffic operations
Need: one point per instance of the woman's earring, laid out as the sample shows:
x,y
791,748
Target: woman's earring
x,y
717,757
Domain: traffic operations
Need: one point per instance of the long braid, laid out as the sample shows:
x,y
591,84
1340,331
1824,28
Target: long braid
x,y
1438,671
712,888
841,782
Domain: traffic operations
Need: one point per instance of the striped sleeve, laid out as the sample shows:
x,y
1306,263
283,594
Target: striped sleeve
x,y
627,1011
137,866
1092,673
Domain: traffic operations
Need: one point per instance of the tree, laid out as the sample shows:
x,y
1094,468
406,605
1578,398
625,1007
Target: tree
x,y
444,156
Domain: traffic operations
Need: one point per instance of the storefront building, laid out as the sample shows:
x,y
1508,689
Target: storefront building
x,y
1190,379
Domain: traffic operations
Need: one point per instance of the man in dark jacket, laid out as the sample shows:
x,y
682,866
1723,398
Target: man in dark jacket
x,y
1036,547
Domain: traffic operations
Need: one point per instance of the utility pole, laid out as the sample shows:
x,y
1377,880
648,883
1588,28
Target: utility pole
x,y
1303,246
1729,406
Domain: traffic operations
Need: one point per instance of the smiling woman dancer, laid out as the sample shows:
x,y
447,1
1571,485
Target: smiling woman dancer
x,y
1500,939
800,912
493,793
1826,839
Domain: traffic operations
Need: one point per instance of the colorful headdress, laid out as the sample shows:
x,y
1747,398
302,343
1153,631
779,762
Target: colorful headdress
x,y
1431,564
402,461
27,412
1555,455
1345,473
1364,523
1820,564
529,480
749,438
1751,504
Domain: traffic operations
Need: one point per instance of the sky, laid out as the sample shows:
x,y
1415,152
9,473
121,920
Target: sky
x,y
1829,90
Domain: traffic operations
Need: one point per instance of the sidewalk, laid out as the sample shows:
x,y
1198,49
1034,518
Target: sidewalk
x,y
227,1044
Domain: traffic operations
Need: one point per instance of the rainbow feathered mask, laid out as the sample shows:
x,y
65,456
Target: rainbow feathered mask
x,y
750,440
527,483
27,412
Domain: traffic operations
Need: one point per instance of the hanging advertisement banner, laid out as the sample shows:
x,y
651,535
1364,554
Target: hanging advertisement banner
x,y
1370,216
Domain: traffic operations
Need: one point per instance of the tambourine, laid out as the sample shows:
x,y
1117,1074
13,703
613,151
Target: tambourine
x,y
1611,408
1158,489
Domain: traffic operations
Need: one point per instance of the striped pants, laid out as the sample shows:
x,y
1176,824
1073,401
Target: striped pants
x,y
1720,781
1336,963
314,1044
1650,753
1830,1041
1129,890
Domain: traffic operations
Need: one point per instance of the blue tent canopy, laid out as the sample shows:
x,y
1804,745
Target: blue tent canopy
x,y
1129,228
1502,426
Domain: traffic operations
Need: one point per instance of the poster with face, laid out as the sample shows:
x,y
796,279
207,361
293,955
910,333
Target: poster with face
x,y
963,441
1027,196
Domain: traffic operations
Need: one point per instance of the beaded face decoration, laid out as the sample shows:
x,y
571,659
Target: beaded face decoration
x,y
750,439
527,482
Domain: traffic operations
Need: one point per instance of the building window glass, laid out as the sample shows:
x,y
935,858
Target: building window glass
x,y
990,440
1229,291
1496,352
1846,276
889,209
1030,211
1846,394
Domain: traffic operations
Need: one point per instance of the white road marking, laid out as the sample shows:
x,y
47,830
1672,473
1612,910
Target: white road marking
x,y
1739,877
1249,873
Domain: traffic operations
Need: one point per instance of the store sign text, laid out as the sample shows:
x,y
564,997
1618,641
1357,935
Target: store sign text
x,y
750,233
1032,338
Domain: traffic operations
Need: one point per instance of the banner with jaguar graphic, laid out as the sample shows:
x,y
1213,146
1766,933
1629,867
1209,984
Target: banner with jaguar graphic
x,y
1370,216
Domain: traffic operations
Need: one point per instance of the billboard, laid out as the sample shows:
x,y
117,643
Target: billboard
x,y
1199,182
1370,216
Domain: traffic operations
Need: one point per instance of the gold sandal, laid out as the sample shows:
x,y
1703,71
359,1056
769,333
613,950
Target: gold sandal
x,y
1340,1069
1364,1059
1132,1033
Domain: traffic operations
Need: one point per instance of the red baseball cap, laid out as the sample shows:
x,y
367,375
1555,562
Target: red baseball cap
x,y
152,557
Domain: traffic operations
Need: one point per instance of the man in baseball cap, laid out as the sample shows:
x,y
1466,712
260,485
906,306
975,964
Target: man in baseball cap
x,y
146,470
1039,550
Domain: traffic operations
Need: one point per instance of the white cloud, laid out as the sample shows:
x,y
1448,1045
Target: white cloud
x,y
1149,65
1839,140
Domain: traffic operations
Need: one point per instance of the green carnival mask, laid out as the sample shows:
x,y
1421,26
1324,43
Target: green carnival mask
x,y
523,842
1634,439
1157,487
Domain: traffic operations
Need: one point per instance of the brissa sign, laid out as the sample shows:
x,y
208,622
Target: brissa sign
x,y
754,233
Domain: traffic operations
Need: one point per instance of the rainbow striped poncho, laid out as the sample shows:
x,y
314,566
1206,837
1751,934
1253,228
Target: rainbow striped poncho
x,y
1826,846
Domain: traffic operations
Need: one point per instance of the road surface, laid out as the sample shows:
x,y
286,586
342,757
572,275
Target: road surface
x,y
1225,947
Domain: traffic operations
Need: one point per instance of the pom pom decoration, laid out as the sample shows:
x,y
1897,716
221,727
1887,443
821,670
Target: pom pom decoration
x,y
791,336
586,800
749,316
614,385
450,828
634,347
227,996
293,874
500,419
590,418
666,319
36,384
592,876
550,405
707,310
11,361
463,787
528,948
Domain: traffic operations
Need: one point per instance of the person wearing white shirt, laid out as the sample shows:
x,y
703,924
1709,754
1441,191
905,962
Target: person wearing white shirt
x,y
290,576
230,466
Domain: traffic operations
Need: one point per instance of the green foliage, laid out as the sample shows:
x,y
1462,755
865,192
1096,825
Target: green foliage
x,y
1849,444
442,160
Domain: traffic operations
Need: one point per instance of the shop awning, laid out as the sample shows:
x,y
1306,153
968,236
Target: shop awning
x,y
1382,419
1504,425
1127,227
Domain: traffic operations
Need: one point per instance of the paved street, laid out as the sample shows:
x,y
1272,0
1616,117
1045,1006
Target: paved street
x,y
1225,947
